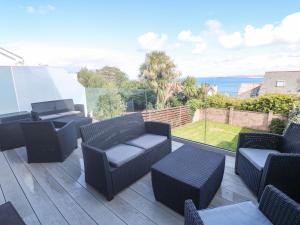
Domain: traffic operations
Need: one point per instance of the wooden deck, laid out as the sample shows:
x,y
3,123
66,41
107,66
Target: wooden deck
x,y
56,193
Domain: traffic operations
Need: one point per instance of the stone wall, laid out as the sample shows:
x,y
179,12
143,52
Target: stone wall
x,y
249,119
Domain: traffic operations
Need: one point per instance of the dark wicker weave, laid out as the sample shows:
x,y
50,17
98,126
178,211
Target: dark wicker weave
x,y
188,173
100,136
46,143
275,205
280,170
9,215
11,135
79,121
54,107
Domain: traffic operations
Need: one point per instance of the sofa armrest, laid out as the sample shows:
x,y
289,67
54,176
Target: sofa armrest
x,y
279,208
67,136
97,169
259,141
35,116
79,107
283,172
158,128
191,216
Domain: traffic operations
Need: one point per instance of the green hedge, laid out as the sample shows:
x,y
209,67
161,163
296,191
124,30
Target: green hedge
x,y
278,103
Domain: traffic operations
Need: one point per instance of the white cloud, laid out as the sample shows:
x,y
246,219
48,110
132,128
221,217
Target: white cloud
x,y
287,31
42,9
152,41
214,26
73,57
259,36
187,36
233,40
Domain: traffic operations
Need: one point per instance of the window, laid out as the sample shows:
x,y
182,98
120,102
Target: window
x,y
280,83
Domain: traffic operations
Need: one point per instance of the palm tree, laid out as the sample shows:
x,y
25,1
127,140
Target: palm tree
x,y
160,73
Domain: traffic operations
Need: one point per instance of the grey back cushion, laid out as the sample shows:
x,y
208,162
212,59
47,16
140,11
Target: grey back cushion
x,y
111,132
44,108
64,105
245,213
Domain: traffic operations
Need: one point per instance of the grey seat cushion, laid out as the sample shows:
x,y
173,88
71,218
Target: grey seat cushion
x,y
245,213
50,116
121,154
258,157
69,113
147,141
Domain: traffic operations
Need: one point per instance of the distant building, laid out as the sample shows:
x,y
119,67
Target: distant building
x,y
213,90
286,82
248,90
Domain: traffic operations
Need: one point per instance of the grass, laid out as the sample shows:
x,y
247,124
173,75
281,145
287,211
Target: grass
x,y
217,134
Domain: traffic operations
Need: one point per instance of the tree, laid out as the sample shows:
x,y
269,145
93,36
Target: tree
x,y
113,75
189,89
89,79
107,77
160,73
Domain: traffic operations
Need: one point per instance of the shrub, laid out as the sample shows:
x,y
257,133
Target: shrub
x,y
278,103
277,126
295,115
193,105
222,101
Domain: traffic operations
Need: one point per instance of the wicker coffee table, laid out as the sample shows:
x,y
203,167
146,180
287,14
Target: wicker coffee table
x,y
188,173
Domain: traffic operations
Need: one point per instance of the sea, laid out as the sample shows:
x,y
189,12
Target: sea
x,y
229,85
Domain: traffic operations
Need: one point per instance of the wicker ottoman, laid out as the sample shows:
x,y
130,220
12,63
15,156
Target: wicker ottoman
x,y
188,173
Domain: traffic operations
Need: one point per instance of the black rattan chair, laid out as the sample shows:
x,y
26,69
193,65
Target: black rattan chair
x,y
274,208
119,151
11,135
47,143
263,159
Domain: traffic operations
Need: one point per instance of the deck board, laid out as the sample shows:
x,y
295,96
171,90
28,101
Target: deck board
x,y
56,193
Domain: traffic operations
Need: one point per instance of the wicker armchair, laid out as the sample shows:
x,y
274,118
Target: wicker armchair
x,y
275,208
107,140
47,143
263,159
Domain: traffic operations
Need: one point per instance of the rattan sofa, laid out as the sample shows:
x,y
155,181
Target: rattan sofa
x,y
51,110
275,208
263,159
120,150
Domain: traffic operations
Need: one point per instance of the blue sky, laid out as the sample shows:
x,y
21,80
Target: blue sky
x,y
205,38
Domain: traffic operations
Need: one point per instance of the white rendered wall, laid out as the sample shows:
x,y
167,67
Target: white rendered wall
x,y
42,83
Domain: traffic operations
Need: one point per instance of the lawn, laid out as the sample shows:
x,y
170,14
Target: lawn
x,y
217,134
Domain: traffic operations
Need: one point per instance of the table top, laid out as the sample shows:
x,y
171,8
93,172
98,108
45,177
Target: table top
x,y
190,165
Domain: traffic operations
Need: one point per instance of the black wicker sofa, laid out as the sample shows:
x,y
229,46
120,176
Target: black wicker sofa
x,y
275,208
51,110
263,159
120,150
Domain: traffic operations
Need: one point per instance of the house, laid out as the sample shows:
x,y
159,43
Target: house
x,y
248,90
286,82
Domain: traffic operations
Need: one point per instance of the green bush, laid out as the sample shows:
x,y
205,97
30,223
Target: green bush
x,y
295,115
278,103
277,126
193,105
222,101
